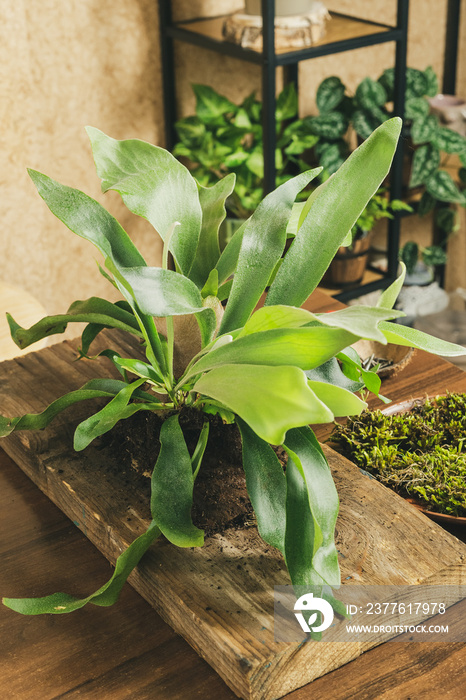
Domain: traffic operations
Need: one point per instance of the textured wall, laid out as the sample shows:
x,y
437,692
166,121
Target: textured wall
x,y
65,65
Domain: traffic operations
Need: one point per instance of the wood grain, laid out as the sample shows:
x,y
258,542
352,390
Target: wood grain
x,y
337,29
219,597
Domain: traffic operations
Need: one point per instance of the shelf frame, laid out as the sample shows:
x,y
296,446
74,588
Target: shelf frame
x,y
270,60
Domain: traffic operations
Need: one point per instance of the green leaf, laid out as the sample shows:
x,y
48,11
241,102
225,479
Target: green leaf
x,y
160,292
331,125
426,204
434,255
426,160
329,94
105,419
210,289
389,296
94,389
387,80
404,335
88,219
269,317
212,201
141,369
331,214
370,94
198,454
417,83
445,219
448,140
333,156
93,310
207,319
360,320
416,108
340,401
271,400
287,103
266,485
424,130
331,373
299,347
442,186
320,556
172,488
59,603
155,185
409,255
302,536
210,105
351,366
255,163
431,82
366,122
263,242
191,131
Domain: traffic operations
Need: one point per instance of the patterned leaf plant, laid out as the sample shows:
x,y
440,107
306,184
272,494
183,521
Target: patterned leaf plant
x,y
273,371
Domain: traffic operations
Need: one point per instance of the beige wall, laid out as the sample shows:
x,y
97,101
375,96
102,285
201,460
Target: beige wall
x,y
64,65
67,64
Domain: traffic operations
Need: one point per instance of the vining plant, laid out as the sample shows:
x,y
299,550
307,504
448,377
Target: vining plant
x,y
271,370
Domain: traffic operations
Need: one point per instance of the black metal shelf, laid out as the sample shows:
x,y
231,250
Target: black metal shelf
x,y
207,34
358,33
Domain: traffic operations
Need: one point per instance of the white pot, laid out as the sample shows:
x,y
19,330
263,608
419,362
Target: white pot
x,y
282,7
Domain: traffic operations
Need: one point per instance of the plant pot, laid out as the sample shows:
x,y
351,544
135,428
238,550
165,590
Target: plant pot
x,y
349,264
218,597
404,407
364,436
397,355
282,7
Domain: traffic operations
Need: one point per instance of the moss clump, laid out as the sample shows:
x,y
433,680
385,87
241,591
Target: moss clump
x,y
418,453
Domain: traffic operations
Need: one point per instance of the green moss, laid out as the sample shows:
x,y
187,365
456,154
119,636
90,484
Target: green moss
x,y
419,453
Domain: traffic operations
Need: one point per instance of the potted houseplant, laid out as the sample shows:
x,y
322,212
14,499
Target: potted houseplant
x,y
421,261
250,365
223,138
432,144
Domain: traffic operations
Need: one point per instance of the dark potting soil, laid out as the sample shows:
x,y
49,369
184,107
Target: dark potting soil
x,y
221,500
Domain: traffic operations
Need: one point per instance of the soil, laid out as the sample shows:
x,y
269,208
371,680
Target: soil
x,y
221,500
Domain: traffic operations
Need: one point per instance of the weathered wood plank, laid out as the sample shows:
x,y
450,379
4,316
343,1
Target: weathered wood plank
x,y
220,597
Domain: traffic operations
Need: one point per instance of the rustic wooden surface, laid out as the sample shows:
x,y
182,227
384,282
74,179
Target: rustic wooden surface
x,y
141,657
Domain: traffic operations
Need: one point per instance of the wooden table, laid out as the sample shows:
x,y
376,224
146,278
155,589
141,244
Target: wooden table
x,y
127,651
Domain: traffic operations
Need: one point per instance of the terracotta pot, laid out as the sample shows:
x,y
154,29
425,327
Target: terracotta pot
x,y
349,264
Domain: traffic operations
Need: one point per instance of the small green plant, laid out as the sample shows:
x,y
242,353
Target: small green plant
x,y
272,371
411,253
223,138
419,453
370,106
378,207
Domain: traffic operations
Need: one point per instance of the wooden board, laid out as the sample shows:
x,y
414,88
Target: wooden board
x,y
218,597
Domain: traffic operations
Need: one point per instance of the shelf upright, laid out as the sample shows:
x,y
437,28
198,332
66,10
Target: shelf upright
x,y
353,33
